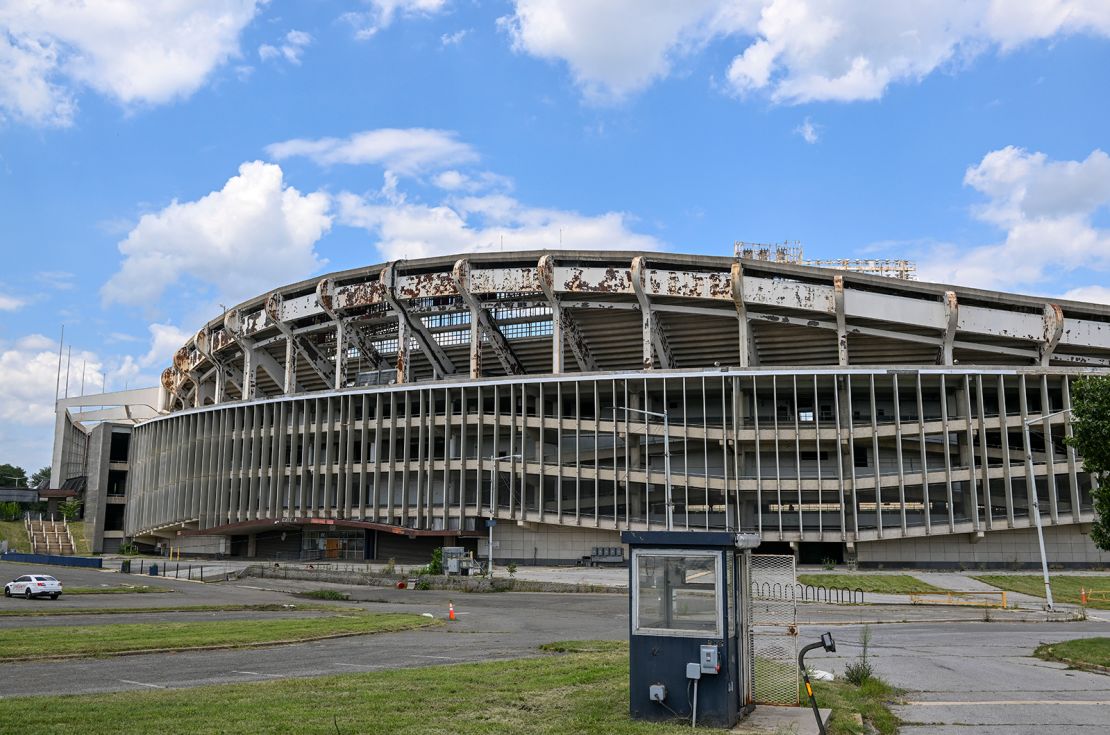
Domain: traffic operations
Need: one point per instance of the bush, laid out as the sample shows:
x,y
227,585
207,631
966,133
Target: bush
x,y
423,584
511,569
70,508
9,512
128,548
859,672
390,567
325,595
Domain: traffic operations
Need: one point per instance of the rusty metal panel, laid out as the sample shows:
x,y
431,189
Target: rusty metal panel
x,y
890,308
504,280
789,294
351,296
573,279
1086,333
425,285
688,284
999,323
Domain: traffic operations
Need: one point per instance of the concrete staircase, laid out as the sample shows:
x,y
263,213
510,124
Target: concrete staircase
x,y
49,537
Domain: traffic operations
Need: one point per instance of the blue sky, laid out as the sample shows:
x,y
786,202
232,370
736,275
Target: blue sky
x,y
160,159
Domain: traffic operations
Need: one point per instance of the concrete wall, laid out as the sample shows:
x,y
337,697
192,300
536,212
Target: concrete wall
x,y
1065,546
96,488
547,544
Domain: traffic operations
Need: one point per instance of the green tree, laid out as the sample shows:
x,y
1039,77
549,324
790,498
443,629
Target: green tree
x,y
12,476
40,476
1091,438
70,508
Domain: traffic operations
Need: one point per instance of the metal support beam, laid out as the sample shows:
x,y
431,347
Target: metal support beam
x,y
564,327
951,320
481,320
749,357
404,353
1053,330
304,347
657,351
253,358
325,296
440,362
224,374
841,321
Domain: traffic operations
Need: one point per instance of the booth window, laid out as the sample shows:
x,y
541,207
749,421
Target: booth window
x,y
678,592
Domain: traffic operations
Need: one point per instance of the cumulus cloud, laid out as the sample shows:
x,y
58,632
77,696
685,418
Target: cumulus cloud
x,y
403,150
29,374
793,50
382,13
254,232
165,340
132,51
1095,294
11,303
484,223
291,48
1047,210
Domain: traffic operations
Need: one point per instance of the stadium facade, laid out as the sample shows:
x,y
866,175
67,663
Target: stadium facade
x,y
570,395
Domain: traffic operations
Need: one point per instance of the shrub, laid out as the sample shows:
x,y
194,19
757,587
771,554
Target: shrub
x,y
9,512
859,672
828,564
422,583
128,548
511,569
70,508
390,567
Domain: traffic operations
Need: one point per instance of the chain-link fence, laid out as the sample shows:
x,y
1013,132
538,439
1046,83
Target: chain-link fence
x,y
773,633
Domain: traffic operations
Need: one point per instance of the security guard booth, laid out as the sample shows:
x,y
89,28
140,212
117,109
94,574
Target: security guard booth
x,y
687,656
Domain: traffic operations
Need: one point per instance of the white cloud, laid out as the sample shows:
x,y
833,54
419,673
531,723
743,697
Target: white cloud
x,y
452,180
383,12
1095,294
11,303
810,133
453,39
485,223
60,280
165,340
130,50
29,374
403,150
613,48
290,49
793,50
1046,209
243,239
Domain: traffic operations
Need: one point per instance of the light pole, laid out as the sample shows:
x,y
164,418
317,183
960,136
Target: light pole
x,y
493,503
666,455
1031,481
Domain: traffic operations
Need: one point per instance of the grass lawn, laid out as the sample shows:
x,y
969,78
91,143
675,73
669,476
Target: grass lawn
x,y
887,584
116,589
1080,651
1064,588
15,533
49,611
101,640
583,690
80,539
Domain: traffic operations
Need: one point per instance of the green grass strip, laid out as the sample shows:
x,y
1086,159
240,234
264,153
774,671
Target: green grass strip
x,y
1079,652
886,584
580,692
46,612
1064,588
122,589
105,640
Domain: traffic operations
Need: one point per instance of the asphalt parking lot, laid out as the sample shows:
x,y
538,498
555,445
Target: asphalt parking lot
x,y
961,675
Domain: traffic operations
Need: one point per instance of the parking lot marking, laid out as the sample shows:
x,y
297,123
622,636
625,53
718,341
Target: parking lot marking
x,y
442,658
142,684
256,673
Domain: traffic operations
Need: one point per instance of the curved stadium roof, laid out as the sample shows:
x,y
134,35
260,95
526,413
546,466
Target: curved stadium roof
x,y
615,311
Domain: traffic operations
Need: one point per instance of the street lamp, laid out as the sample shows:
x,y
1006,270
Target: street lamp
x,y
666,455
493,503
1031,481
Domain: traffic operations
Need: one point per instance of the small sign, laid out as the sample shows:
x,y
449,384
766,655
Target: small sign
x,y
491,522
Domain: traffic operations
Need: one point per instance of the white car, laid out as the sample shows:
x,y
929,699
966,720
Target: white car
x,y
34,585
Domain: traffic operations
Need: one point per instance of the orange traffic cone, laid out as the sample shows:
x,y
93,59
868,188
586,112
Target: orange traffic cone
x,y
1083,595
450,611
